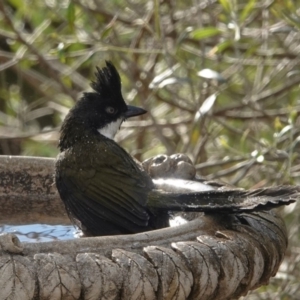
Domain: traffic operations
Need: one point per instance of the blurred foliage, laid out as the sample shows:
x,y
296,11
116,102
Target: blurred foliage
x,y
220,80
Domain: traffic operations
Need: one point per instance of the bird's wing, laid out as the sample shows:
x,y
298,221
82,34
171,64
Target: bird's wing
x,y
114,191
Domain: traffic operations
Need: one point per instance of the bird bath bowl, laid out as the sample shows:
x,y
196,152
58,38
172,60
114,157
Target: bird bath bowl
x,y
213,256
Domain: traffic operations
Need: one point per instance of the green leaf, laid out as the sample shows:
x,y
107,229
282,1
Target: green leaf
x,y
291,18
71,15
106,32
223,46
203,33
226,5
157,18
18,4
247,10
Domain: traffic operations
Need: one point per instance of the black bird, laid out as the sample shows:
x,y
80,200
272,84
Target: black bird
x,y
108,192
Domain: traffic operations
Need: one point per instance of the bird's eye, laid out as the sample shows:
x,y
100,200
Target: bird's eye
x,y
110,110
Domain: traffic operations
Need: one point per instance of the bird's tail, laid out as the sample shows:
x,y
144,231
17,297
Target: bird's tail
x,y
230,201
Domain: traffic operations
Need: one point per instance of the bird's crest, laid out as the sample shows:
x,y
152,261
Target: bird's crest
x,y
108,81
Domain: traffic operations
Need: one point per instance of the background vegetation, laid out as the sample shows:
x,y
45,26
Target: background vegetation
x,y
220,80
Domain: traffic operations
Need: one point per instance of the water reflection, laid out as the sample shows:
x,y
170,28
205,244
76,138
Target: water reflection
x,y
41,232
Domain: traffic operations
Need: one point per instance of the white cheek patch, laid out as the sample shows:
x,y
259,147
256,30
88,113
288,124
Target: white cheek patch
x,y
111,129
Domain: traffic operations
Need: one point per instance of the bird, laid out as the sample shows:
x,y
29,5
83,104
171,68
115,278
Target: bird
x,y
107,192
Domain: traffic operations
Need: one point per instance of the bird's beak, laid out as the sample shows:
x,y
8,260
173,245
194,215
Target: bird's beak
x,y
134,111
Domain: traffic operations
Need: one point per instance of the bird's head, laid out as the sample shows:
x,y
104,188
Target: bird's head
x,y
99,112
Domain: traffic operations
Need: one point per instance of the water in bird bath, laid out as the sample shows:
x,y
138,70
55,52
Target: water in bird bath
x,y
33,233
41,232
